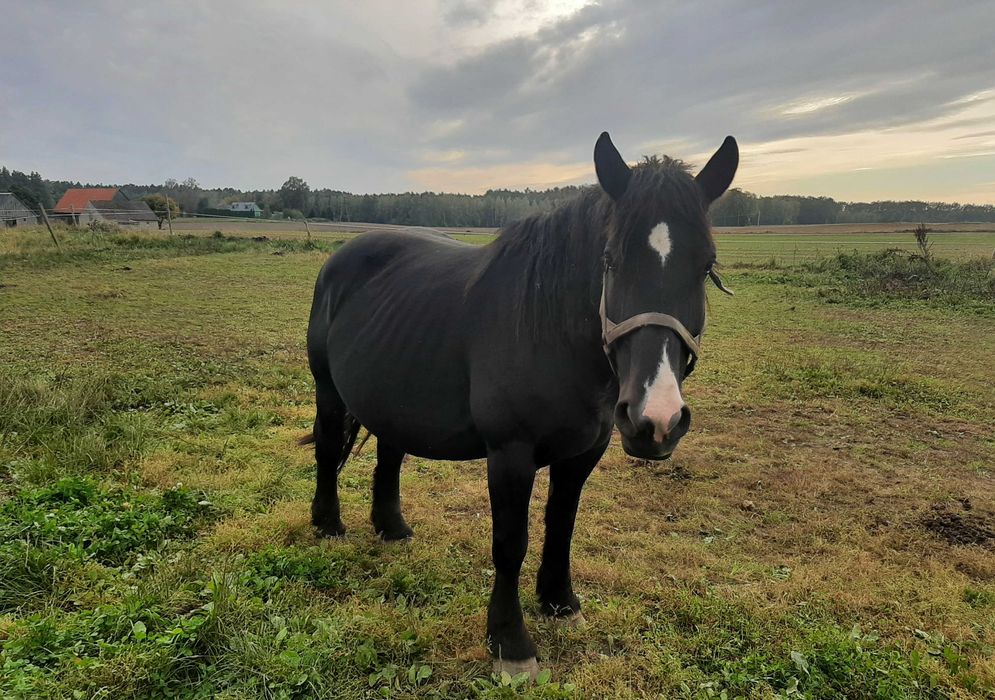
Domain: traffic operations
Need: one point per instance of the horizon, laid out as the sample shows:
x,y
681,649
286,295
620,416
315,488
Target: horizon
x,y
163,188
876,103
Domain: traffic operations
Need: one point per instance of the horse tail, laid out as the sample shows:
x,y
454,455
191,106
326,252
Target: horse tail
x,y
350,429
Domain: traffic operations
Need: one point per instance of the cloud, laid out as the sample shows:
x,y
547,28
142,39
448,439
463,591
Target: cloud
x,y
465,95
459,13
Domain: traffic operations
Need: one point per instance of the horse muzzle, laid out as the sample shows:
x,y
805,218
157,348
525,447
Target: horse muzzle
x,y
646,439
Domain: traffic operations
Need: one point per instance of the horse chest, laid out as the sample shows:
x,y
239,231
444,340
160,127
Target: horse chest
x,y
563,408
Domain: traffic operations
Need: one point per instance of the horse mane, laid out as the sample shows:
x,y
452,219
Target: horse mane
x,y
556,256
549,262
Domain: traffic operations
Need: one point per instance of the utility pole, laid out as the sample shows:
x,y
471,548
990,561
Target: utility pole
x,y
169,217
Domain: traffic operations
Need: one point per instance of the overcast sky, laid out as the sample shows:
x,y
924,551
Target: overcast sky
x,y
859,101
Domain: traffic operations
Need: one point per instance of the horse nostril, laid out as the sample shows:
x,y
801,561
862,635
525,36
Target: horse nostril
x,y
674,420
622,416
630,421
683,423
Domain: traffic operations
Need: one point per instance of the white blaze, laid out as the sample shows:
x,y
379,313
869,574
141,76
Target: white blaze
x,y
660,242
663,397
663,393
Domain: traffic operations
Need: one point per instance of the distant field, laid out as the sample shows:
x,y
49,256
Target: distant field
x,y
790,248
785,245
826,530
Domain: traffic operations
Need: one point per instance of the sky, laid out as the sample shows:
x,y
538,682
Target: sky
x,y
854,100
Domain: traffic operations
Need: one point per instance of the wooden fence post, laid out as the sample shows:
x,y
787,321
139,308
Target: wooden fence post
x,y
44,217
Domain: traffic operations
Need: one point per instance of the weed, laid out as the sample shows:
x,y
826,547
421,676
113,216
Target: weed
x,y
922,241
47,531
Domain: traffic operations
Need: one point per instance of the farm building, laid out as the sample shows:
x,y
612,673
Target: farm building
x,y
75,199
81,205
133,214
246,209
13,212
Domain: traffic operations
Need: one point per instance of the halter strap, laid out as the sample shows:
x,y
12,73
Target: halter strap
x,y
611,331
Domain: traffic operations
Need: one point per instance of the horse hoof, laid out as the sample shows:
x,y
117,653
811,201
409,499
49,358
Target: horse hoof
x,y
514,668
330,531
575,620
405,534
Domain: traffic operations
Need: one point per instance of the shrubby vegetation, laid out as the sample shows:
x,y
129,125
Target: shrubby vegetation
x,y
897,275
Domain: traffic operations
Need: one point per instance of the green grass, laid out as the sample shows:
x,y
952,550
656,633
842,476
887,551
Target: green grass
x,y
154,536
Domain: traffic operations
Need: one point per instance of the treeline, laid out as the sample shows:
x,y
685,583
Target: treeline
x,y
739,208
30,189
496,208
493,209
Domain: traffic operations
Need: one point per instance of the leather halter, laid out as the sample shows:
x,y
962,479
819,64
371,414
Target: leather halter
x,y
611,331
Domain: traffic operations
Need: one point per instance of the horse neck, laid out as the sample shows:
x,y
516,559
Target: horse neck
x,y
560,277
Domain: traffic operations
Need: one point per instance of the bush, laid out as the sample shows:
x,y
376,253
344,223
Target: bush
x,y
894,274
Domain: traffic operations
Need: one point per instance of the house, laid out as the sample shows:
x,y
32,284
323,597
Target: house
x,y
81,205
133,214
14,212
249,209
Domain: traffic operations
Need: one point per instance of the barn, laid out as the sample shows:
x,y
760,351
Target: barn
x,y
133,214
74,201
14,212
82,205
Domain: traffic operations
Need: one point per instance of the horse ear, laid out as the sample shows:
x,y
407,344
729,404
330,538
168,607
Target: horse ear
x,y
720,169
613,173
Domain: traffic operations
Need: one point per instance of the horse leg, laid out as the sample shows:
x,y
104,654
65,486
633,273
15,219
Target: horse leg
x,y
334,433
553,586
386,512
510,475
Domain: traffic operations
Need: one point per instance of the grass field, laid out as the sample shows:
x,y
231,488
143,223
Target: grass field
x,y
784,245
826,529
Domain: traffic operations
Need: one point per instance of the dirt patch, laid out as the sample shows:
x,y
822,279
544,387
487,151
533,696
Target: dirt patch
x,y
960,526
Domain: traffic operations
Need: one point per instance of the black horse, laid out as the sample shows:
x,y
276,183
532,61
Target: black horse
x,y
453,351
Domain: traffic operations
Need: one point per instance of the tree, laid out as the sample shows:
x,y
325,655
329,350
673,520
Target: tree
x,y
40,190
735,208
160,204
293,194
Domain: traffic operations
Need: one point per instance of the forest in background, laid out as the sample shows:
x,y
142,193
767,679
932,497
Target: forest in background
x,y
495,208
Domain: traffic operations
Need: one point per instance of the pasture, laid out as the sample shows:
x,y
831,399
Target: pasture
x,y
826,529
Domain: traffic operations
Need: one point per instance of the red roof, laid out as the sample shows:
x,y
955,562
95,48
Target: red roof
x,y
76,199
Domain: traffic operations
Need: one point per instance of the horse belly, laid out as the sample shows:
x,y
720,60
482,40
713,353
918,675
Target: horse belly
x,y
404,382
